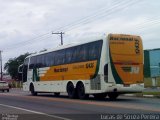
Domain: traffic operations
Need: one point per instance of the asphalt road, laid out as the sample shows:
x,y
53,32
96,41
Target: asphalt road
x,y
21,105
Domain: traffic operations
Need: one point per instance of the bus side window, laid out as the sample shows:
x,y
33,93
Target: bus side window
x,y
106,69
57,58
43,61
32,62
68,57
106,73
92,52
82,55
74,54
95,50
62,56
38,63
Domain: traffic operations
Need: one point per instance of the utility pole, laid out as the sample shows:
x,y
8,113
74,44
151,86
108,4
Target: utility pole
x,y
61,35
1,65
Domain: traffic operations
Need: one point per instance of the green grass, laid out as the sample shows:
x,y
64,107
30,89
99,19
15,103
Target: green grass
x,y
157,94
148,82
151,93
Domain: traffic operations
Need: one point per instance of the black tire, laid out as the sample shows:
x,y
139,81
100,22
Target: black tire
x,y
113,96
100,96
8,90
81,91
2,90
56,94
33,91
71,90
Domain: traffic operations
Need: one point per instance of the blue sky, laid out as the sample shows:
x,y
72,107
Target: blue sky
x,y
26,25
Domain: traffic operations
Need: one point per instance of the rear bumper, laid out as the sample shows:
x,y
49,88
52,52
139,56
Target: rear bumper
x,y
134,88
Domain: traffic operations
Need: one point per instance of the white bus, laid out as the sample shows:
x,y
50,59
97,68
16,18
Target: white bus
x,y
106,65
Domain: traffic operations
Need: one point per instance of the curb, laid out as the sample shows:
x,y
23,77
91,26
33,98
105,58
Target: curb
x,y
149,96
130,95
146,96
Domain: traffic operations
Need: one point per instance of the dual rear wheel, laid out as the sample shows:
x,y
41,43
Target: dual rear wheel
x,y
78,92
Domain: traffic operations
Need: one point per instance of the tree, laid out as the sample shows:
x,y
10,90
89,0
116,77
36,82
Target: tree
x,y
12,65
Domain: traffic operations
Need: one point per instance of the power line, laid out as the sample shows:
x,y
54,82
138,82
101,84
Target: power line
x,y
124,6
146,23
116,7
36,38
88,16
93,16
26,41
23,45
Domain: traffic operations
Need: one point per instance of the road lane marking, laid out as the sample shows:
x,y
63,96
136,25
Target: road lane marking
x,y
35,112
106,104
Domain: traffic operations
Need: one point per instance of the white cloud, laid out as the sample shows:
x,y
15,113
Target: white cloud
x,y
23,20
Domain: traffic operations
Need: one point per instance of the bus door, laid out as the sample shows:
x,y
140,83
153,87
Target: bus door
x,y
25,70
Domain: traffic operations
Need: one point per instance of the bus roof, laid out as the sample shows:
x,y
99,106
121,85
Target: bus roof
x,y
85,40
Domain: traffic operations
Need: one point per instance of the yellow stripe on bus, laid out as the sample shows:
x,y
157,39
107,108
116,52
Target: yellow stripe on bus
x,y
74,71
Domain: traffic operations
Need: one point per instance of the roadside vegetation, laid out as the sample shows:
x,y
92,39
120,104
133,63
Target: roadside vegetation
x,y
12,69
155,94
148,82
15,84
12,65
